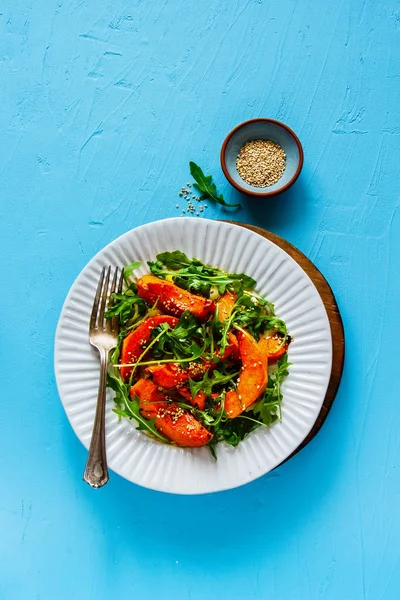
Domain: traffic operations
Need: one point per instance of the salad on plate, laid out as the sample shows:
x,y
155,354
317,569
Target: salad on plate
x,y
200,357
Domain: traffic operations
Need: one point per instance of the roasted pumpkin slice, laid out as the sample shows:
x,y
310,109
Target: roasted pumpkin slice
x,y
225,305
232,351
253,376
173,375
172,299
150,397
136,341
199,401
272,347
172,421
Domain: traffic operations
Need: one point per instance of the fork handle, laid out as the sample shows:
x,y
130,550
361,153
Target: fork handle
x,y
96,472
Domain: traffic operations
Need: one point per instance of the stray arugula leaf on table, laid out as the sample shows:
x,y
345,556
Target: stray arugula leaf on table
x,y
205,185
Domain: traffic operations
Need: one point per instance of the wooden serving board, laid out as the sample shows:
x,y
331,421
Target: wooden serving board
x,y
334,317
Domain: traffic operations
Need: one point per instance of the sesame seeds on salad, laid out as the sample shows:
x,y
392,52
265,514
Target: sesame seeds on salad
x,y
186,375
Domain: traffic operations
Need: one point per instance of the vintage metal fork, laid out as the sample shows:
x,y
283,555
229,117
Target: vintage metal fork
x,y
103,335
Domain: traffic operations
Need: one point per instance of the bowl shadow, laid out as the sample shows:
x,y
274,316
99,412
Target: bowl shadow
x,y
278,213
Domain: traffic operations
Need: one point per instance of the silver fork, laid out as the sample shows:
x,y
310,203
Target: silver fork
x,y
103,335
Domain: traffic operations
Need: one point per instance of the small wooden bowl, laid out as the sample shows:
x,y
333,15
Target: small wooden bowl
x,y
262,129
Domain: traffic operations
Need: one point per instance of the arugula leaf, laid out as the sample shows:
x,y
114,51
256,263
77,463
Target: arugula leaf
x,y
128,270
182,341
189,341
247,282
118,386
128,306
267,412
206,186
195,276
207,383
174,260
211,446
268,407
254,314
194,285
186,328
233,431
144,424
130,408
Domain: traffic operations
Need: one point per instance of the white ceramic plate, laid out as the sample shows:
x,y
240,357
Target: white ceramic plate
x,y
193,471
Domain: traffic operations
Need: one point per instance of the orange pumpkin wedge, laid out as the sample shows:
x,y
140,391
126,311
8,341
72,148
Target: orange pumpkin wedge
x,y
172,421
172,375
199,401
150,397
224,308
272,348
225,305
232,351
136,341
172,299
253,376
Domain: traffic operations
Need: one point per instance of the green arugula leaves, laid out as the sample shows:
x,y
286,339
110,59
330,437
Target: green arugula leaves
x,y
208,382
128,270
265,412
268,408
174,260
190,341
128,306
130,408
186,341
252,313
195,276
206,187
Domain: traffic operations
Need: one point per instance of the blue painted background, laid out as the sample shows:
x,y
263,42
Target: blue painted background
x,y
103,104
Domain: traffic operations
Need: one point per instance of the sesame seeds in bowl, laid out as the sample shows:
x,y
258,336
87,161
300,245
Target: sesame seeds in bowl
x,y
261,162
262,157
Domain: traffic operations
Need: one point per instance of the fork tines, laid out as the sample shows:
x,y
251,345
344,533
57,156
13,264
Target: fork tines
x,y
103,299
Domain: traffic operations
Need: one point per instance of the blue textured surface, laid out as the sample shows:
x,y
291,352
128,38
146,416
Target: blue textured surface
x,y
103,105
